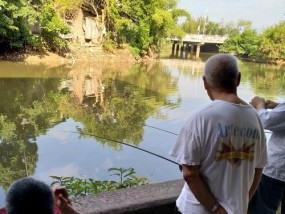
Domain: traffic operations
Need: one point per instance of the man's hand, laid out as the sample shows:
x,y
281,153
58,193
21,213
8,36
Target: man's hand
x,y
200,188
62,200
258,103
221,210
270,104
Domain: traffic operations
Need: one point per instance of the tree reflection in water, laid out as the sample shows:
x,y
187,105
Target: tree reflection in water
x,y
26,112
116,105
105,101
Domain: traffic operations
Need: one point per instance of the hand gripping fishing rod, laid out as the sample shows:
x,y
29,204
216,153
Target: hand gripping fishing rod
x,y
135,147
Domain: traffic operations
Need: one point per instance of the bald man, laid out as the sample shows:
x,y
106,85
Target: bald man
x,y
222,148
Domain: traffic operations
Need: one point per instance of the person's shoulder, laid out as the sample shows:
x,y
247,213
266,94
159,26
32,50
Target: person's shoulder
x,y
199,115
209,109
280,105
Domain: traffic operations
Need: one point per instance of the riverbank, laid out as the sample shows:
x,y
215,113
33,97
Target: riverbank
x,y
94,54
263,61
75,54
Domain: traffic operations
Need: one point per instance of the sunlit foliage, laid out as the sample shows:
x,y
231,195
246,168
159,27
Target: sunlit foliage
x,y
83,187
268,45
272,44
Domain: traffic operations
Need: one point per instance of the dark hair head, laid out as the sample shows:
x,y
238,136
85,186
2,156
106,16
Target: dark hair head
x,y
29,196
221,72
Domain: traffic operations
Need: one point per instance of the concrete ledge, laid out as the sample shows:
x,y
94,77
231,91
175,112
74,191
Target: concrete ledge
x,y
152,198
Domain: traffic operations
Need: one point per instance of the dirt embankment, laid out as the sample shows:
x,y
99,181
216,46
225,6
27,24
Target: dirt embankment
x,y
76,53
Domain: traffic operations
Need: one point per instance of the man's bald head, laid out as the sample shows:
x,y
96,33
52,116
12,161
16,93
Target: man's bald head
x,y
221,72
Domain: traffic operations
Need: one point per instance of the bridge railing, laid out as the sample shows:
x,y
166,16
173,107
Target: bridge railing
x,y
201,38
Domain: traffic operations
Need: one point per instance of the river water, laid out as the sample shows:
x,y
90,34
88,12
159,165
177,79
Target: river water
x,y
45,111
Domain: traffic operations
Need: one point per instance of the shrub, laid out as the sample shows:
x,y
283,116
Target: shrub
x,y
90,186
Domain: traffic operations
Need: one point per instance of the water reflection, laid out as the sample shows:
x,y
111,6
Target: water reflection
x,y
265,80
41,107
115,105
106,102
27,111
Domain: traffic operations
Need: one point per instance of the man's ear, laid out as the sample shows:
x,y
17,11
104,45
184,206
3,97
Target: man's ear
x,y
238,79
206,85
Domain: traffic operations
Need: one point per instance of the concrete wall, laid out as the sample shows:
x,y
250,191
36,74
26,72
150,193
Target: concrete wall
x,y
149,199
153,198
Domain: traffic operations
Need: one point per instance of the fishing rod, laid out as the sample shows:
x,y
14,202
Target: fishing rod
x,y
116,141
138,148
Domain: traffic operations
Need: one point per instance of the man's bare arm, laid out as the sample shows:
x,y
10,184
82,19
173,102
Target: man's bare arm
x,y
199,188
255,183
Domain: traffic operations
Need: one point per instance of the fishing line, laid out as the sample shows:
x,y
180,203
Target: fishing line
x,y
116,141
161,129
265,131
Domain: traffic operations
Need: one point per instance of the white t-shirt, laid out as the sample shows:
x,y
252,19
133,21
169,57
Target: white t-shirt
x,y
227,140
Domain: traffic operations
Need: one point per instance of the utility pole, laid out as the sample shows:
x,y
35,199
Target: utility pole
x,y
206,22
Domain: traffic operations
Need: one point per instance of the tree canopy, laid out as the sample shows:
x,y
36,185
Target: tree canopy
x,y
267,45
142,24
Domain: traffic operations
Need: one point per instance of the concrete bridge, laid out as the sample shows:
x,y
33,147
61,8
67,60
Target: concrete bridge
x,y
189,42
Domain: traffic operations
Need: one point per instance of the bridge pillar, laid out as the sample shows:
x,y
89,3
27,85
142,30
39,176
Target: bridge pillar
x,y
177,49
198,50
187,50
181,50
173,48
192,49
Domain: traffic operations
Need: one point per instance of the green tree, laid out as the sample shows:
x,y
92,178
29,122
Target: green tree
x,y
52,26
143,24
190,25
67,8
245,41
212,28
272,45
18,17
243,44
244,25
249,43
206,27
15,15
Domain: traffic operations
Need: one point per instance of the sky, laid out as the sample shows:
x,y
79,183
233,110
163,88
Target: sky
x,y
262,13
